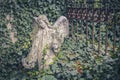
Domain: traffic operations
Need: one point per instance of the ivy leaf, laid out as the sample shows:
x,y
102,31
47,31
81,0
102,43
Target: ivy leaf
x,y
48,77
20,53
74,72
50,1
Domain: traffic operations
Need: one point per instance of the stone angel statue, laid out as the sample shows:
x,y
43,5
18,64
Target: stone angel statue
x,y
46,42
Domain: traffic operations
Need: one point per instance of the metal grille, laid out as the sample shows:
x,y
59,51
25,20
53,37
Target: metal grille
x,y
84,15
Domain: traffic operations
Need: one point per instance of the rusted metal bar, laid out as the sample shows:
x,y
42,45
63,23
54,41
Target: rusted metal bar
x,y
99,26
73,20
82,21
86,33
68,13
82,26
106,40
114,41
92,35
78,17
92,29
72,31
107,24
77,26
99,30
87,20
99,36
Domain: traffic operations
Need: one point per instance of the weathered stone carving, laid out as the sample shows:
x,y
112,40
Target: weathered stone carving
x,y
9,26
47,41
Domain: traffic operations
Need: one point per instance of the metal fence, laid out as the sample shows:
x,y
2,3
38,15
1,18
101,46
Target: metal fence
x,y
86,15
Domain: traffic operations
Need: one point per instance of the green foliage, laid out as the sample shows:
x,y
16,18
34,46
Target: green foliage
x,y
44,51
81,62
75,61
48,77
23,12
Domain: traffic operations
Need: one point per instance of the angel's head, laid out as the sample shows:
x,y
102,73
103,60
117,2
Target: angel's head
x,y
41,21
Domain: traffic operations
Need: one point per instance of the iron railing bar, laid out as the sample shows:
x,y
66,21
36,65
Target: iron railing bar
x,y
87,33
93,35
114,41
72,27
99,30
99,36
106,41
92,30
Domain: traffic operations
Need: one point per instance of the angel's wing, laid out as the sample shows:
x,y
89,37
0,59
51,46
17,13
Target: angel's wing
x,y
62,25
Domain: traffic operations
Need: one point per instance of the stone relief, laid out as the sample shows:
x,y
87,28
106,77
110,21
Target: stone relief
x,y
46,42
9,26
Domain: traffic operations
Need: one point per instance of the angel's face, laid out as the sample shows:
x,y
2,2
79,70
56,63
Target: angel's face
x,y
57,41
55,48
